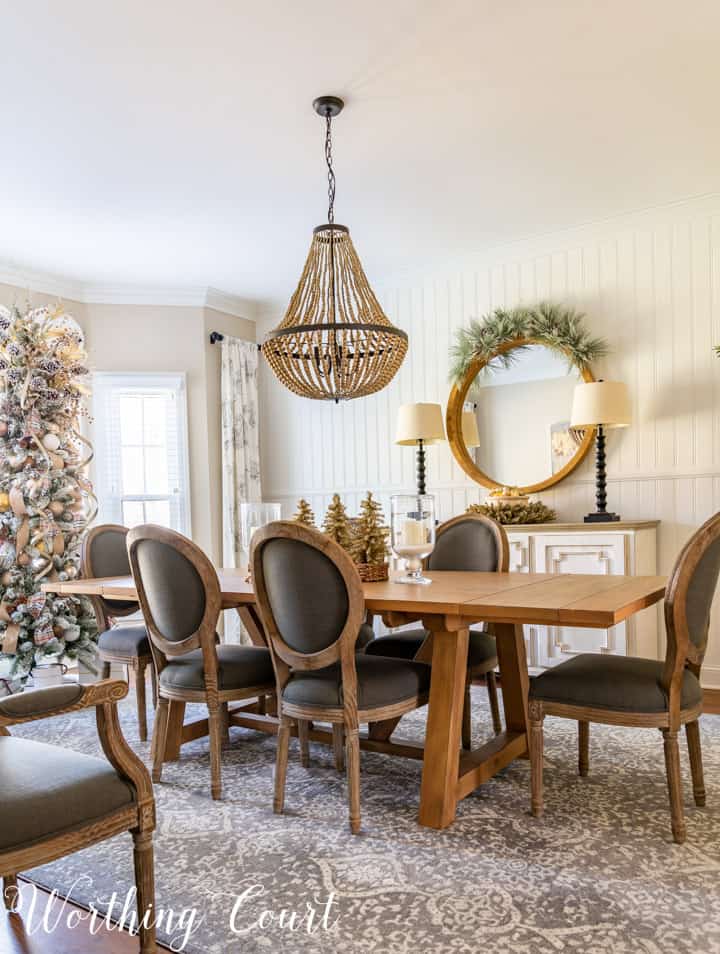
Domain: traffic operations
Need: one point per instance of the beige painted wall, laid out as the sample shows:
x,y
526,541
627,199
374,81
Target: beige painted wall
x,y
154,338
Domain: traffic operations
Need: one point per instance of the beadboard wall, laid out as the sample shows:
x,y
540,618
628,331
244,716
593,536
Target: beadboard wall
x,y
649,283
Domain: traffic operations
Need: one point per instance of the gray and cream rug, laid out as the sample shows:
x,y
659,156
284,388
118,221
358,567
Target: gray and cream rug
x,y
599,873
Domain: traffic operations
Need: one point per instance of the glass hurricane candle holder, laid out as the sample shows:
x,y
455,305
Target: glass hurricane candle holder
x,y
253,516
412,533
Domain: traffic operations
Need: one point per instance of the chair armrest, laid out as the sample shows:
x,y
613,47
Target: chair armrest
x,y
57,700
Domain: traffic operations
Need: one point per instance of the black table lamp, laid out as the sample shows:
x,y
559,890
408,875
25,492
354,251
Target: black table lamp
x,y
419,425
600,404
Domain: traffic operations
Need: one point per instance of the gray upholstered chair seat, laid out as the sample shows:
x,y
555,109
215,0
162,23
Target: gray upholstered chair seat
x,y
239,667
405,645
129,639
47,790
621,683
381,682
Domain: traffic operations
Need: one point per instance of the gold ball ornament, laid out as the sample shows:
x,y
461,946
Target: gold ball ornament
x,y
71,571
4,501
6,578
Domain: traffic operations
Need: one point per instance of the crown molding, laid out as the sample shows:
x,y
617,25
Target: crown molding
x,y
100,293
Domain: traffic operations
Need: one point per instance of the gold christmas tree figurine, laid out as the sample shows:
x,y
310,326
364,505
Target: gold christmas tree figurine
x,y
304,514
337,524
369,542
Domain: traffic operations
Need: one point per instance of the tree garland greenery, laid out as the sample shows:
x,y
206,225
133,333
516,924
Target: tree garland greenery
x,y
556,326
508,514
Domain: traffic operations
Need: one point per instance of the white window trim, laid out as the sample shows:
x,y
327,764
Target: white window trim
x,y
176,380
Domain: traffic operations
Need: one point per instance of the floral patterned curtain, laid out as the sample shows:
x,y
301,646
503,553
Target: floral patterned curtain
x,y
240,451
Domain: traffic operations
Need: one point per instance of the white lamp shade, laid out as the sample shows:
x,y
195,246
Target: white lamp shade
x,y
601,402
471,435
419,422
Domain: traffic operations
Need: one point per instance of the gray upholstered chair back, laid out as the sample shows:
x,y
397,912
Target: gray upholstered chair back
x,y
307,594
701,588
174,589
106,555
689,595
467,545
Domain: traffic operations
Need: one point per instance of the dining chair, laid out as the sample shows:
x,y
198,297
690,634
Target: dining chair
x,y
470,542
180,597
104,554
311,602
56,801
643,693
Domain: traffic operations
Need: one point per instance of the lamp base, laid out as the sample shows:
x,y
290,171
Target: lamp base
x,y
601,517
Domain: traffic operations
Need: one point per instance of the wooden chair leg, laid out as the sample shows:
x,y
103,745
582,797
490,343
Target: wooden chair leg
x,y
139,673
303,730
536,717
338,732
225,716
160,733
281,762
154,685
145,886
491,681
583,748
674,782
215,720
466,731
105,671
692,733
352,748
11,894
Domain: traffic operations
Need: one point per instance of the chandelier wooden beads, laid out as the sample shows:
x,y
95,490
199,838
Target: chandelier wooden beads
x,y
335,342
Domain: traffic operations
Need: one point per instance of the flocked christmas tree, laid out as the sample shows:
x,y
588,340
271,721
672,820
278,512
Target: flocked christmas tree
x,y
304,514
337,523
46,502
370,535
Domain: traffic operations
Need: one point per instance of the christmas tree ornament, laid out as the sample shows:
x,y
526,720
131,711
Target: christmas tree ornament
x,y
369,547
336,524
51,441
304,514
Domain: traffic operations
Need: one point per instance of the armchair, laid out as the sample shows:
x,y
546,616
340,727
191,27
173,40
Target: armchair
x,y
55,802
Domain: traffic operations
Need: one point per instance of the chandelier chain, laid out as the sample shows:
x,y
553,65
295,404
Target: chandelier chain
x,y
331,173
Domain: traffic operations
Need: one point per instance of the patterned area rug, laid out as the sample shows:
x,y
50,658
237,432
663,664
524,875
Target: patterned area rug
x,y
599,873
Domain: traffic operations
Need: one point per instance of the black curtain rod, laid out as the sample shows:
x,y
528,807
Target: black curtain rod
x,y
216,336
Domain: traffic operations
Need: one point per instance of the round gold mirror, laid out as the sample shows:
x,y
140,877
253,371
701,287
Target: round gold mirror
x,y
508,419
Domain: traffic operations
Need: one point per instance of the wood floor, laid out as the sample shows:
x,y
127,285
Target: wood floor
x,y
15,938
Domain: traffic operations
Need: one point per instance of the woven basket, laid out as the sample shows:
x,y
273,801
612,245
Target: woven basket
x,y
372,572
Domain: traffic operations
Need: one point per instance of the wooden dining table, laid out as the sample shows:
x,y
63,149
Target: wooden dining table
x,y
446,608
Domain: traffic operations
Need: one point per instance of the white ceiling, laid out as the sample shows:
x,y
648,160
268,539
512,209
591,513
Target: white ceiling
x,y
174,144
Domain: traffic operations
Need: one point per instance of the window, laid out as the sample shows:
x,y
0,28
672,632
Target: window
x,y
141,460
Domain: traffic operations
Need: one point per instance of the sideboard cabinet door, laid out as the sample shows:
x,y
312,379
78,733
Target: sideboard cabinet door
x,y
629,551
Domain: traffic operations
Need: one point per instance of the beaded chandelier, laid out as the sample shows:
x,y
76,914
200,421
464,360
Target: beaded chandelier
x,y
335,342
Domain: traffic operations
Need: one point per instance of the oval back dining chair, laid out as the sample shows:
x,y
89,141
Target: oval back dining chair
x,y
180,597
311,601
471,542
104,554
648,693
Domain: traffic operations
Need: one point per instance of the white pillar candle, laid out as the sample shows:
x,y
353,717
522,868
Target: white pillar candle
x,y
413,533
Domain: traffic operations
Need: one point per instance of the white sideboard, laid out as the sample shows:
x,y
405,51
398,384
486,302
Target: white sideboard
x,y
622,548
625,548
